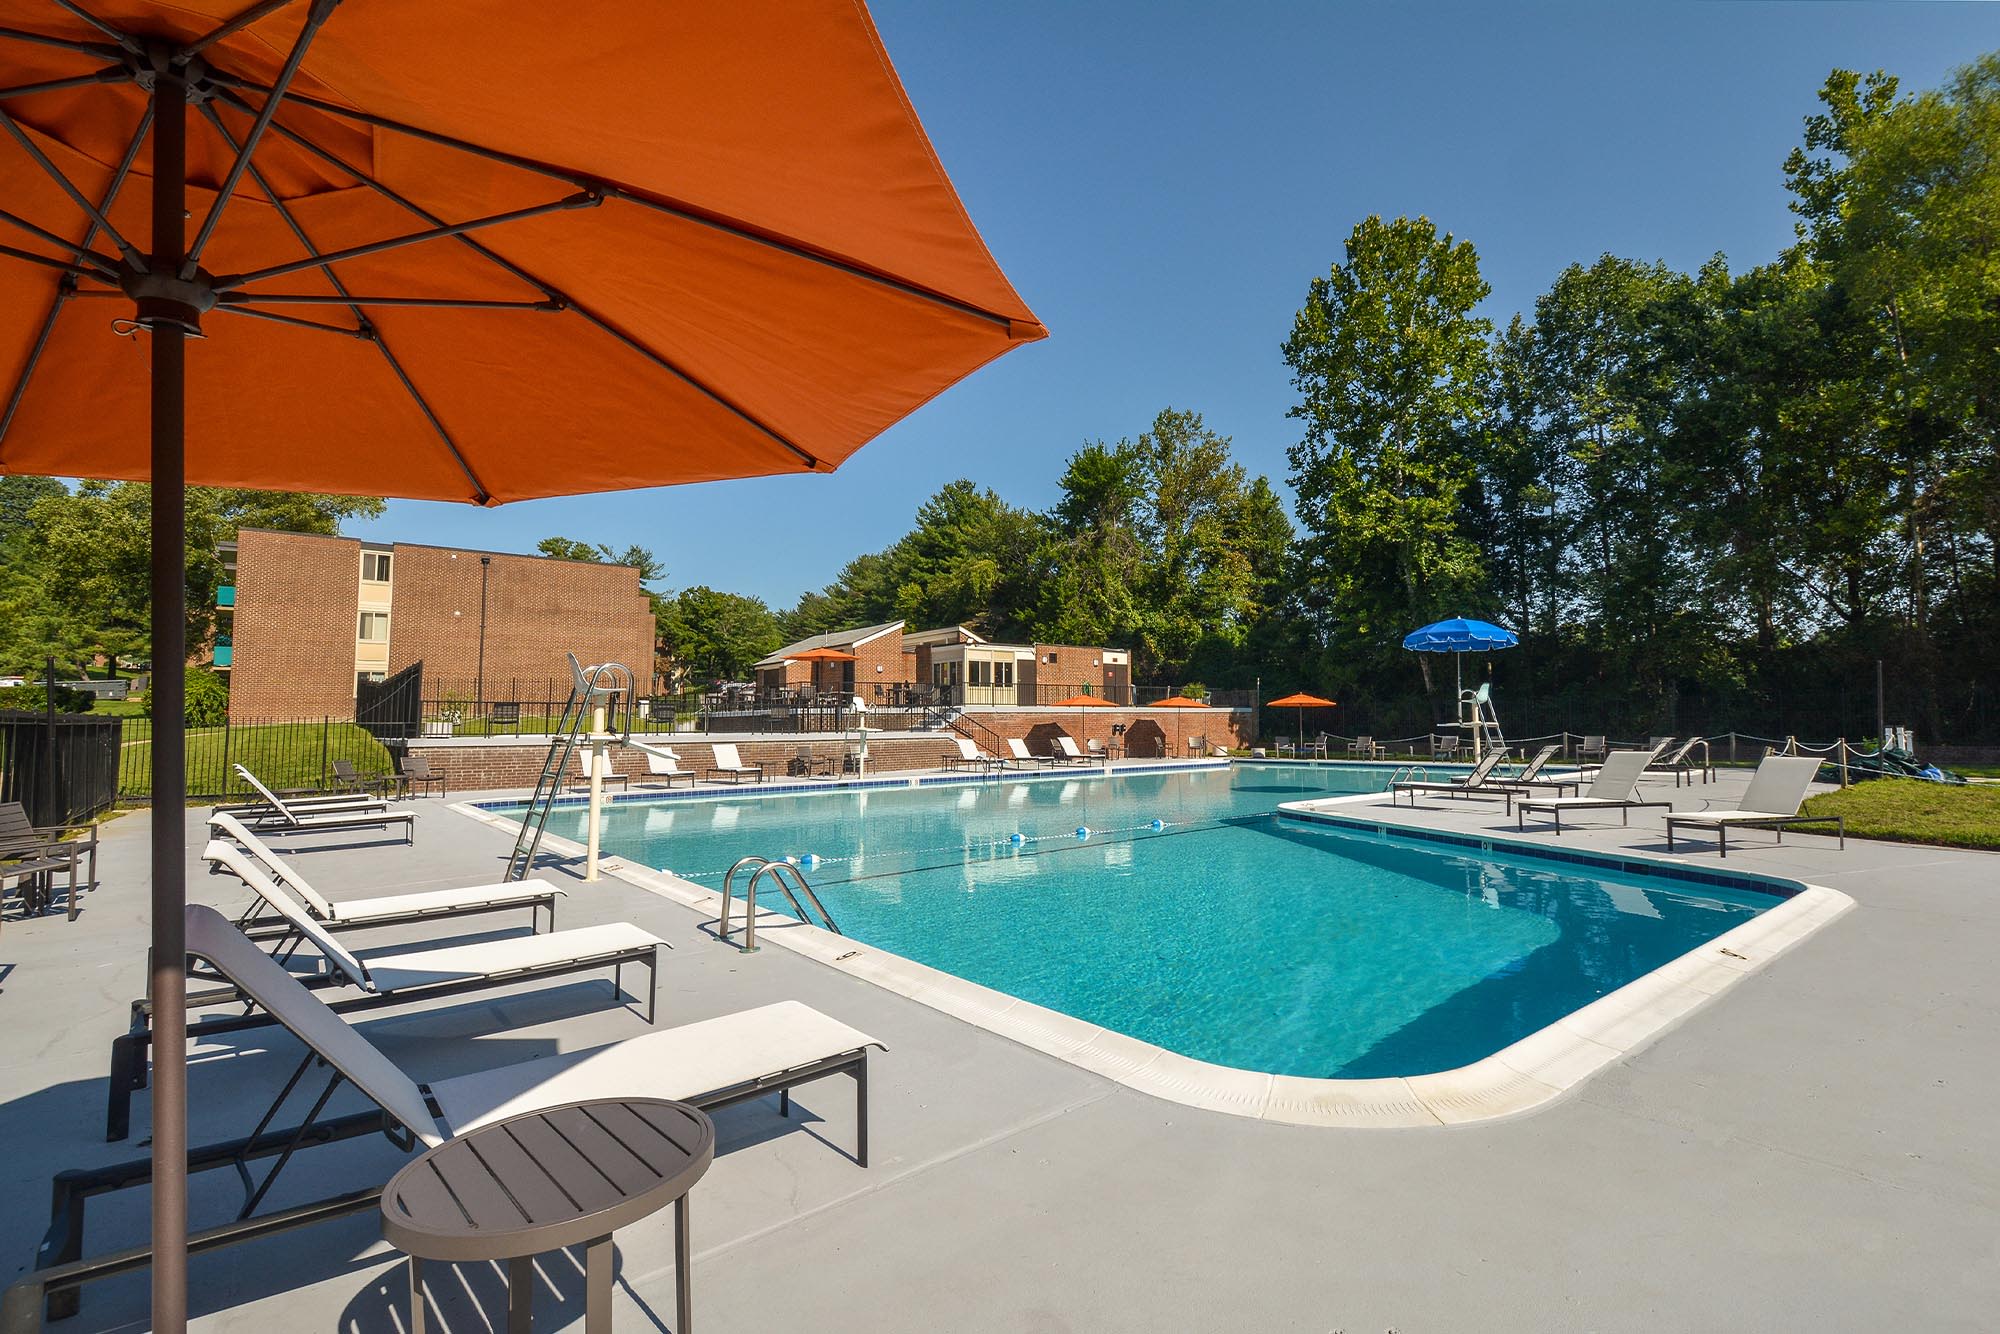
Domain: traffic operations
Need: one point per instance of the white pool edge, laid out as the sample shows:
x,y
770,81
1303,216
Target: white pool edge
x,y
1525,1076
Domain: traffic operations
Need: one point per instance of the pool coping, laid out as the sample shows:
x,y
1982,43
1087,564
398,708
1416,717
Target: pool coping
x,y
1527,1075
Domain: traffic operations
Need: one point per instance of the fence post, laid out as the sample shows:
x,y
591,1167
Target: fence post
x,y
228,730
1842,743
48,812
325,727
1732,745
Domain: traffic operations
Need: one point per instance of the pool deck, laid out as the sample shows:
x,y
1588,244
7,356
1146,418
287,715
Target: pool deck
x,y
1813,1150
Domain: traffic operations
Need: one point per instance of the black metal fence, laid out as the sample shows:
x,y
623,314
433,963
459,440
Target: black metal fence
x,y
62,767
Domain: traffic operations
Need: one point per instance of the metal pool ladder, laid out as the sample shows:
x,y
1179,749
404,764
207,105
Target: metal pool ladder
x,y
777,870
1409,773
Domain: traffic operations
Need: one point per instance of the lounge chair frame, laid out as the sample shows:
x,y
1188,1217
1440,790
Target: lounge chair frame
x,y
281,817
1478,783
735,771
1778,822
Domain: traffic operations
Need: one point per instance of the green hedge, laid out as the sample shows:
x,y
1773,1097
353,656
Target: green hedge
x,y
36,698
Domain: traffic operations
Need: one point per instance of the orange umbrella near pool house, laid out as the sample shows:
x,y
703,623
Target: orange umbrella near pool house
x,y
1180,702
816,656
1301,701
453,251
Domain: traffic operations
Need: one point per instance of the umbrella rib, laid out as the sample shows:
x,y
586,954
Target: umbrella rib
x,y
125,247
114,34
316,17
318,260
367,329
255,14
236,300
61,43
69,267
294,320
806,456
84,254
65,288
796,249
110,74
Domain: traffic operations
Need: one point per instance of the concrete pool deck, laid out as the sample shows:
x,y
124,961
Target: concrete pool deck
x,y
1812,1151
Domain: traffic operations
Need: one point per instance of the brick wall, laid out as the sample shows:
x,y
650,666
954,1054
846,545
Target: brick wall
x,y
471,766
536,610
294,626
885,653
1071,671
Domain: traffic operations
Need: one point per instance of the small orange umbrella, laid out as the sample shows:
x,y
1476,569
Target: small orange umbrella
x,y
1181,702
1082,702
825,655
1301,701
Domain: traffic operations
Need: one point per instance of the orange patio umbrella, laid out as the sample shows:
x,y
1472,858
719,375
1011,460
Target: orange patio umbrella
x,y
453,251
1180,702
1301,701
819,655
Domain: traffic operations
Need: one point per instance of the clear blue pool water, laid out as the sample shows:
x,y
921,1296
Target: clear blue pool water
x,y
1229,934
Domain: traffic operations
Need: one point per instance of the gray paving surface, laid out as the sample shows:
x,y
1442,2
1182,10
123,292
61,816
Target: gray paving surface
x,y
1816,1151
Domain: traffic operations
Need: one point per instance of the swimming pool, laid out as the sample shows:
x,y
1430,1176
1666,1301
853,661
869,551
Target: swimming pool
x,y
1192,916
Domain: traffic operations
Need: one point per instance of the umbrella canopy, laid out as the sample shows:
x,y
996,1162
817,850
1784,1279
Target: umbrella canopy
x,y
1460,635
824,655
457,251
1081,702
1178,702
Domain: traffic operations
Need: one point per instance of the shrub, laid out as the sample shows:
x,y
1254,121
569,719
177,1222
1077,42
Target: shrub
x,y
36,698
207,700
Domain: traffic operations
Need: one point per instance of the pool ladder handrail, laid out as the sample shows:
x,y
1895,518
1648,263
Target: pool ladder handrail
x,y
776,870
1409,773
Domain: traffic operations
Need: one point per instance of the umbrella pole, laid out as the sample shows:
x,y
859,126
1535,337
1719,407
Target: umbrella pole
x,y
169,693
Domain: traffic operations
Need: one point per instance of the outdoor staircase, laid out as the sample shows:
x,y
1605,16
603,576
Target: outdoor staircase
x,y
591,686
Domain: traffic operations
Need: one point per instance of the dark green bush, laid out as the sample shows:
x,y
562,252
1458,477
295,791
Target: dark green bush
x,y
207,700
34,697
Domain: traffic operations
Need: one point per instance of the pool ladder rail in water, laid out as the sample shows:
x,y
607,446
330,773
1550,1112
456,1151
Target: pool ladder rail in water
x,y
778,871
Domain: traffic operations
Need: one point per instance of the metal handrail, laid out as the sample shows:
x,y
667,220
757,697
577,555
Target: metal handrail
x,y
776,870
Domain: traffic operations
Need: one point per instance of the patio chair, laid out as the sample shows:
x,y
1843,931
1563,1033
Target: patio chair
x,y
667,767
969,756
1610,790
20,839
808,762
1593,748
585,759
1681,762
1364,746
710,1064
1321,748
1279,745
1772,800
727,761
505,714
387,910
1066,751
283,818
417,773
1444,747
1473,784
33,875
1019,756
356,783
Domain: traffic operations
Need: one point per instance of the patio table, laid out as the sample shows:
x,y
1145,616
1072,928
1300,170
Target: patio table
x,y
545,1180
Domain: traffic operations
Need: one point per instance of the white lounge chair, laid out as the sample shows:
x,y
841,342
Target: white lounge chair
x,y
1020,756
349,800
1611,790
969,756
712,1063
727,761
390,909
1067,751
383,979
584,762
279,817
666,765
1682,763
1772,800
1472,784
1530,781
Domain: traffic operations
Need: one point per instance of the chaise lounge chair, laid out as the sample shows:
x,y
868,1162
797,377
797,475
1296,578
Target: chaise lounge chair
x,y
727,761
383,979
1067,751
266,804
1020,757
1473,784
388,910
279,817
1681,762
1610,790
970,756
666,767
1530,781
584,759
1772,801
710,1064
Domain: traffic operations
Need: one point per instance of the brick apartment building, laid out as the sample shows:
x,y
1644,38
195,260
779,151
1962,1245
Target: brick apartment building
x,y
962,666
311,616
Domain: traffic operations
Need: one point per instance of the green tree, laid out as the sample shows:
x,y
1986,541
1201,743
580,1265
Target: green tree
x,y
1390,364
640,558
714,636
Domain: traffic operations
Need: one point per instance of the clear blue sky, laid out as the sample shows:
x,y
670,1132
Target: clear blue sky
x,y
1162,180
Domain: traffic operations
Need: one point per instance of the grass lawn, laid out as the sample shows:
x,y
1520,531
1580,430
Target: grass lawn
x,y
283,755
1909,811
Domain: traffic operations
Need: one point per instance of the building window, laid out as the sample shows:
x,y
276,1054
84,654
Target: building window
x,y
1048,657
374,627
975,673
1003,674
375,567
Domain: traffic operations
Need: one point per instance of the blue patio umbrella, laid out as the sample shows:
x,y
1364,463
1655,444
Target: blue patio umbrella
x,y
1460,636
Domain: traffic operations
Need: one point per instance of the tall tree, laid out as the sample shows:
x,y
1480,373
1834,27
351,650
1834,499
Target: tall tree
x,y
1390,363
